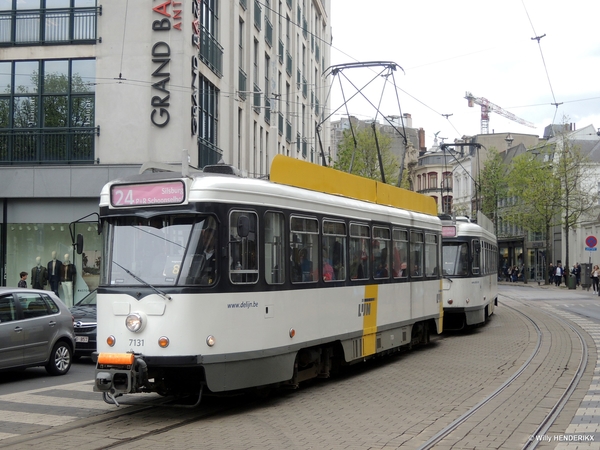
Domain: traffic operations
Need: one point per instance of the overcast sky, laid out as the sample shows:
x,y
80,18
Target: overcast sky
x,y
483,46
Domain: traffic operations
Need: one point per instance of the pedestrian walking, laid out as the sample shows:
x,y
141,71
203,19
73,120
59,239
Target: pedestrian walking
x,y
558,272
551,273
595,278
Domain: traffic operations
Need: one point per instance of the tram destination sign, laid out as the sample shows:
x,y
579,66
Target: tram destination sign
x,y
147,194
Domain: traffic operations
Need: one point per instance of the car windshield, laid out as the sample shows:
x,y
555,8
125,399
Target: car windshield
x,y
89,299
159,251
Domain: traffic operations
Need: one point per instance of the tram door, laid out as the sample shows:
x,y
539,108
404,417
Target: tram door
x,y
536,258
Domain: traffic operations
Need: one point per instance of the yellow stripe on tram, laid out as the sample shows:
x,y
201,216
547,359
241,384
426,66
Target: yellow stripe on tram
x,y
370,320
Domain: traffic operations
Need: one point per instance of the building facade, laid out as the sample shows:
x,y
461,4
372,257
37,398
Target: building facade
x,y
90,91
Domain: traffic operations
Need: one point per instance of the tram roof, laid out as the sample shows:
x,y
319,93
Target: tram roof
x,y
294,172
302,186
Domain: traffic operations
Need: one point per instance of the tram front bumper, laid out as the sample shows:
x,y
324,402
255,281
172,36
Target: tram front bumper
x,y
120,373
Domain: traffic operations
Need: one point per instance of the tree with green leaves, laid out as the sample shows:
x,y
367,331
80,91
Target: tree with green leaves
x,y
362,159
533,185
577,195
492,185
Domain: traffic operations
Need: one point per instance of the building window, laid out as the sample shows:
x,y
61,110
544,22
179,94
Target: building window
x,y
432,180
447,180
37,22
47,111
211,52
447,204
209,153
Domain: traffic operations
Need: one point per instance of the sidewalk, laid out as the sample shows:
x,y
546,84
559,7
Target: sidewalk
x,y
541,284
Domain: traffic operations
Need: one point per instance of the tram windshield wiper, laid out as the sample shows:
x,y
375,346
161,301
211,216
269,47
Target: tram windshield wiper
x,y
136,278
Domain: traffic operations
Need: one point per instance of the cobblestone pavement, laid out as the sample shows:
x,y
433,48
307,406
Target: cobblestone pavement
x,y
397,402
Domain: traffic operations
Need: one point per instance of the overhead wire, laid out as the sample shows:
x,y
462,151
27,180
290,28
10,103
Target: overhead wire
x,y
538,38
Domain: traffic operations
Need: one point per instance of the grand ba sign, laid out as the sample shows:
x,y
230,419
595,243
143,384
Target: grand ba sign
x,y
170,18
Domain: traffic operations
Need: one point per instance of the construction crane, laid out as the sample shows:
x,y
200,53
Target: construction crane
x,y
488,107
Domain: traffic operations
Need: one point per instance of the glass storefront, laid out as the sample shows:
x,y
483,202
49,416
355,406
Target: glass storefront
x,y
28,243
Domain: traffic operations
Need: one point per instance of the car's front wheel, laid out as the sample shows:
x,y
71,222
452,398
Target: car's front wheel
x,y
60,359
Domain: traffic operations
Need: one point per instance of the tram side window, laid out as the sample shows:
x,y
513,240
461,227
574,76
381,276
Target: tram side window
x,y
243,247
400,257
431,255
360,251
274,250
476,247
416,254
334,250
304,247
381,252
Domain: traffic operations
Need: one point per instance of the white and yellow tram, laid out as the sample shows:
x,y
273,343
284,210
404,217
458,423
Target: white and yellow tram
x,y
216,281
469,264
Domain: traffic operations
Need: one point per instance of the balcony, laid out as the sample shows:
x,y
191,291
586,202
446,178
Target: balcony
x,y
242,81
280,54
49,26
304,27
48,145
268,110
288,63
208,153
268,32
257,103
288,131
280,124
257,15
211,52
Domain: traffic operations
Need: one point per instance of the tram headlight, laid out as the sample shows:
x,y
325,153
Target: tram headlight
x,y
163,342
135,322
111,341
210,341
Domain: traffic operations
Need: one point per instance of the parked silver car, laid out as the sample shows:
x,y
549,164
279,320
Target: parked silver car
x,y
36,329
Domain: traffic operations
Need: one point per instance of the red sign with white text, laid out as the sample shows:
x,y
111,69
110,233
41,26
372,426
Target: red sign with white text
x,y
150,194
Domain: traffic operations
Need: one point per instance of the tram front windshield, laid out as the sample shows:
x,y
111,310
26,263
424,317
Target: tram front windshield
x,y
159,251
455,257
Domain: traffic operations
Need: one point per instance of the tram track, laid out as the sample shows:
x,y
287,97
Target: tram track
x,y
149,422
556,409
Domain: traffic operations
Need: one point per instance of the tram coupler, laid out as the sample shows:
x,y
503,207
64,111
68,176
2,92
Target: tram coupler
x,y
120,373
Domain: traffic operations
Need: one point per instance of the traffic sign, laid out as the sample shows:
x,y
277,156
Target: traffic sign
x,y
591,242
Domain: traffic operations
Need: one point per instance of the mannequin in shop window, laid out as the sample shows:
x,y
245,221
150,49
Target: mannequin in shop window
x,y
67,279
39,275
54,268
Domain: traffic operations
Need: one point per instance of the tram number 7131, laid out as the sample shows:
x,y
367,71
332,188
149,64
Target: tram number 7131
x,y
136,342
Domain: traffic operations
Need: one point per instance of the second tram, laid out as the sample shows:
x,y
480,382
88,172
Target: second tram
x,y
469,269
